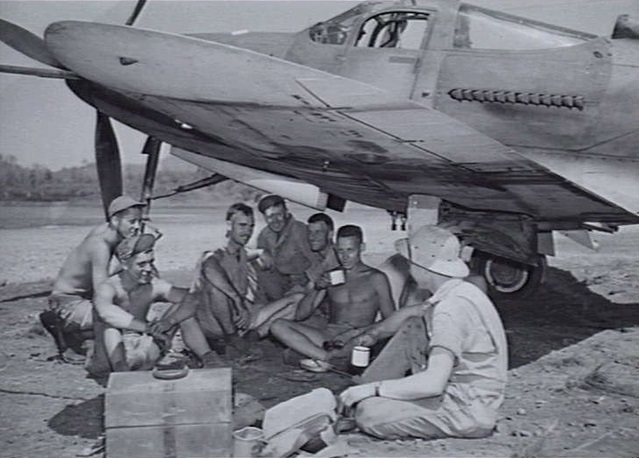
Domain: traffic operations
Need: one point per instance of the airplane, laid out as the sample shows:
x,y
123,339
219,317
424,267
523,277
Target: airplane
x,y
503,128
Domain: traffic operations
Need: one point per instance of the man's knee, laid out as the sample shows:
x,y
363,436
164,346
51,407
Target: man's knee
x,y
280,327
370,416
376,417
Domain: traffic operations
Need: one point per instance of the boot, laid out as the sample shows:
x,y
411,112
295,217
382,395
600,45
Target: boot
x,y
54,325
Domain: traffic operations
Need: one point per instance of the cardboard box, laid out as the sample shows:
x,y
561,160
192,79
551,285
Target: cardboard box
x,y
150,418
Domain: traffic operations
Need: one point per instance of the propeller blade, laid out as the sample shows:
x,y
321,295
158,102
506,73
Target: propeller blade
x,y
136,12
152,150
27,43
107,159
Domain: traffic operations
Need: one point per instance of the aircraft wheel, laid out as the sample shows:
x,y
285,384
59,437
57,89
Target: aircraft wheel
x,y
508,279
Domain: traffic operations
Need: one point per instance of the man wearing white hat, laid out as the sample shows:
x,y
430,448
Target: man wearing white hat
x,y
458,367
69,317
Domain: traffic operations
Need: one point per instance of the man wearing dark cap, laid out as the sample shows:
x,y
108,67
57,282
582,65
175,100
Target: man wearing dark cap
x,y
458,369
287,254
124,338
68,317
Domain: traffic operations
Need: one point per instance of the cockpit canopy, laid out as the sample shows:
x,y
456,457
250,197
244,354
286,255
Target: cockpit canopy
x,y
397,25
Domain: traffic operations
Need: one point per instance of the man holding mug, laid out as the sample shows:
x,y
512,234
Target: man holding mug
x,y
353,304
458,367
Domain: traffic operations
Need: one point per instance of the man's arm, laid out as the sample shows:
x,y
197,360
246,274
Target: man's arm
x,y
215,275
100,258
432,382
163,290
389,326
186,309
112,314
382,286
309,303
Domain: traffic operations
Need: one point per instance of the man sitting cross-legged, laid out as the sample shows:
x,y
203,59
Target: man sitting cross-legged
x,y
453,345
125,340
352,306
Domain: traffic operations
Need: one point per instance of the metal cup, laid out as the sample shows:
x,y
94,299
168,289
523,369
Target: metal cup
x,y
247,442
336,277
360,357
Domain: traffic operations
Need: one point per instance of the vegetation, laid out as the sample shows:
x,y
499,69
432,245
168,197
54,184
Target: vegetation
x,y
37,183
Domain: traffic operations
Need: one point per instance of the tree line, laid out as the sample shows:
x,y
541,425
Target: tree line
x,y
38,183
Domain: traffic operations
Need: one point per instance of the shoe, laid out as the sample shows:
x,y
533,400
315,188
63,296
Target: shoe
x,y
315,365
71,357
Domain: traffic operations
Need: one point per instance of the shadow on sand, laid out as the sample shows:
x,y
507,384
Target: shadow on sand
x,y
84,419
562,312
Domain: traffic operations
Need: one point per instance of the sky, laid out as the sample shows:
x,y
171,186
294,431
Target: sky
x,y
42,122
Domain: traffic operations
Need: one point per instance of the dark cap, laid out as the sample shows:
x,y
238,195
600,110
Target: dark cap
x,y
122,203
269,201
133,245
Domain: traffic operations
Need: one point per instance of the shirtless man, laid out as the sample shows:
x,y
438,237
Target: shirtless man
x,y
125,340
69,317
352,305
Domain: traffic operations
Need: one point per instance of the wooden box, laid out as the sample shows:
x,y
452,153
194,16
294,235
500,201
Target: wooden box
x,y
150,418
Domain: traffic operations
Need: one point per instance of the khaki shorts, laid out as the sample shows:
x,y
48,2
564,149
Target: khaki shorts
x,y
75,311
140,351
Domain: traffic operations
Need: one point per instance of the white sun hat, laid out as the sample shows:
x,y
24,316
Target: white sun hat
x,y
436,249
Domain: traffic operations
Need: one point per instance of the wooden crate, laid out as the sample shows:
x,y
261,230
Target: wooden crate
x,y
150,418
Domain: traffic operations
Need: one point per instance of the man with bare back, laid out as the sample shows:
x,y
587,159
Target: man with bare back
x,y
69,317
353,304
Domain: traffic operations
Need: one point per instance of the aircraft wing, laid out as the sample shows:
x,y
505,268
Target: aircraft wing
x,y
348,138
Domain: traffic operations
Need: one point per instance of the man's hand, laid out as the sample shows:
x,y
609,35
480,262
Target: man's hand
x,y
242,318
365,339
160,326
161,339
354,394
323,282
266,261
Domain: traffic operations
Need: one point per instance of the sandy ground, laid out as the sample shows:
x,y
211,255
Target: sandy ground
x,y
585,316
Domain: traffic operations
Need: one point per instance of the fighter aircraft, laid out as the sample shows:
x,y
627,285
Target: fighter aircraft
x,y
503,128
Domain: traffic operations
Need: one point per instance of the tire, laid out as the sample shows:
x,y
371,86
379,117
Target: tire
x,y
509,279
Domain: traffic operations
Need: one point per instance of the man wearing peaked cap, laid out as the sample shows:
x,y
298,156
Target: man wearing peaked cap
x,y
125,339
121,203
69,315
287,254
458,369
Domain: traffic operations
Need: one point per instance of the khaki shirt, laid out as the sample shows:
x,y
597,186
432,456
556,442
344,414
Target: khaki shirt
x,y
289,248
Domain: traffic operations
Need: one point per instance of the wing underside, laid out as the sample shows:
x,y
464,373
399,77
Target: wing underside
x,y
348,138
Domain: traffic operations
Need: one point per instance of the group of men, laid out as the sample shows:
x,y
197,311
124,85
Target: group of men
x,y
308,288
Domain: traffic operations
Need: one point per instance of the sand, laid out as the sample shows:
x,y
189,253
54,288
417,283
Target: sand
x,y
587,315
